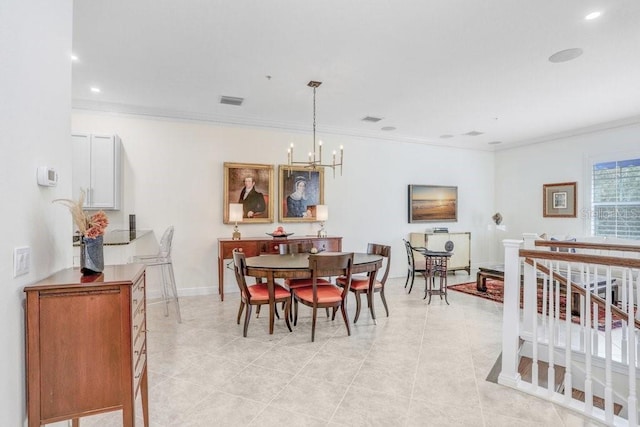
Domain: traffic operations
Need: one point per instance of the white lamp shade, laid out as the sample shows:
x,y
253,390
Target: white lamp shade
x,y
235,212
322,212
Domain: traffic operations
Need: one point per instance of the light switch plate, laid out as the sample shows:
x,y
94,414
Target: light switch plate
x,y
21,261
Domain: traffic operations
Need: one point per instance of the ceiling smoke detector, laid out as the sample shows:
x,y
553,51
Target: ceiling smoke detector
x,y
231,100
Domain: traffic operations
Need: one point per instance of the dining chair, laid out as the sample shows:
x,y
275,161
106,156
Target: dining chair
x,y
360,284
163,260
295,248
413,266
257,294
325,296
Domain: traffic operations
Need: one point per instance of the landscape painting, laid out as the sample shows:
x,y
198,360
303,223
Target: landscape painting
x,y
433,203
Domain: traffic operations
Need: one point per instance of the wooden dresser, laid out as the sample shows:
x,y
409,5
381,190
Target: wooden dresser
x,y
254,246
86,345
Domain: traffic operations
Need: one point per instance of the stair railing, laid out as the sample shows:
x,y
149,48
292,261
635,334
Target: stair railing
x,y
563,281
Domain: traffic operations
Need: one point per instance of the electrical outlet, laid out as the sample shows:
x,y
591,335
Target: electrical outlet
x,y
21,261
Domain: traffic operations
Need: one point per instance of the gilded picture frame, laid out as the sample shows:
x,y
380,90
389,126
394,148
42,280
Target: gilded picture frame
x,y
300,191
258,200
559,200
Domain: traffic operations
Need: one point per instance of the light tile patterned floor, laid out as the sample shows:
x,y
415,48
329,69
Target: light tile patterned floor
x,y
424,365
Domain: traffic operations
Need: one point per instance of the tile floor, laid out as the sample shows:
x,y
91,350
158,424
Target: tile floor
x,y
424,365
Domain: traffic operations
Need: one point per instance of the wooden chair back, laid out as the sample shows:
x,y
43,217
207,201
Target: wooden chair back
x,y
239,268
385,252
329,265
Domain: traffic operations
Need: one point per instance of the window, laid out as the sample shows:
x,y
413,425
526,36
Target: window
x,y
615,199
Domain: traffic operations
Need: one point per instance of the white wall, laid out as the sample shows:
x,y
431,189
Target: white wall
x,y
174,175
35,83
521,173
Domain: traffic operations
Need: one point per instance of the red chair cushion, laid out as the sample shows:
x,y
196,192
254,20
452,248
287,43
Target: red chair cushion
x,y
260,292
342,280
297,283
326,294
363,285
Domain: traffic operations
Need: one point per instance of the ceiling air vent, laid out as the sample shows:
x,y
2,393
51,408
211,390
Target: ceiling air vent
x,y
231,100
371,119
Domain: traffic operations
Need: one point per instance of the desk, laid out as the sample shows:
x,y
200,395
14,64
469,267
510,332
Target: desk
x,y
254,246
296,266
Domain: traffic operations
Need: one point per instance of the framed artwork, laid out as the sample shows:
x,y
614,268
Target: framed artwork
x,y
251,185
429,203
559,200
301,190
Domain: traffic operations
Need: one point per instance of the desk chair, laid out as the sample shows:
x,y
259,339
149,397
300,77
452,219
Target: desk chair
x,y
163,260
413,266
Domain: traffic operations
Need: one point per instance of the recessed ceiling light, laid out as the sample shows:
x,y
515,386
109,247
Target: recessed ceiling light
x,y
388,128
566,55
474,133
593,15
371,119
95,90
494,142
445,136
74,57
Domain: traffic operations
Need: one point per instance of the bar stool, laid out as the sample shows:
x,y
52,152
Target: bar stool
x,y
163,260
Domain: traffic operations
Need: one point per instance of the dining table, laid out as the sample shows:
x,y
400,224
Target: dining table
x,y
296,266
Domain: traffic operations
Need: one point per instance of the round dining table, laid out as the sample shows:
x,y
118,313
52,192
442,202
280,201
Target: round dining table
x,y
296,266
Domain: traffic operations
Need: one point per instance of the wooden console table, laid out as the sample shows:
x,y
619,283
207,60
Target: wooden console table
x,y
254,246
86,345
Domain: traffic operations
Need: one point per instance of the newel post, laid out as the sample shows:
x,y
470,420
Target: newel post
x,y
509,375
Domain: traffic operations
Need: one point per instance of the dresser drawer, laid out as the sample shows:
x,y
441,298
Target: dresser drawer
x,y
249,249
139,366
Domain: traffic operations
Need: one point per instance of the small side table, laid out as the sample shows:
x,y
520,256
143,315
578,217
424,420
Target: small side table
x,y
436,266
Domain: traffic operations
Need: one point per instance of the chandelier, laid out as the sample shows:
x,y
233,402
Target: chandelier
x,y
315,157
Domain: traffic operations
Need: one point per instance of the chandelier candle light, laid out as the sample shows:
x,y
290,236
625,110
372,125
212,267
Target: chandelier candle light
x,y
315,159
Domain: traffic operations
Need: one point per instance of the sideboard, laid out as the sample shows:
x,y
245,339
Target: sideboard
x,y
254,246
86,345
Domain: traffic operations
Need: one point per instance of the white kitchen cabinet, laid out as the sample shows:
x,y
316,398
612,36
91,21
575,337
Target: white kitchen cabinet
x,y
461,258
97,169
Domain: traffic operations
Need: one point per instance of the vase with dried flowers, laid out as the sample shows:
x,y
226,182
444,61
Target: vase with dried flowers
x,y
91,228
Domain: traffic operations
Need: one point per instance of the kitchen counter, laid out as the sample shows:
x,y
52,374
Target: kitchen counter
x,y
118,237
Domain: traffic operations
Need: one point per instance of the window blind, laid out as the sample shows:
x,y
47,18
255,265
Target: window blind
x,y
615,196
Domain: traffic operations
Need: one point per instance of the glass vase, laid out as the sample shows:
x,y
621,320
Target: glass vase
x,y
91,255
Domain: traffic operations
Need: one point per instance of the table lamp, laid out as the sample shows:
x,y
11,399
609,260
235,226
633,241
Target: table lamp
x,y
235,214
322,214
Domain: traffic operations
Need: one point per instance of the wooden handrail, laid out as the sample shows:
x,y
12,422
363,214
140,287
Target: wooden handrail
x,y
585,245
585,258
602,303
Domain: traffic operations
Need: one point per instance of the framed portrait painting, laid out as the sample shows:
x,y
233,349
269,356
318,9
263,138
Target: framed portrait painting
x,y
430,203
301,190
251,185
559,200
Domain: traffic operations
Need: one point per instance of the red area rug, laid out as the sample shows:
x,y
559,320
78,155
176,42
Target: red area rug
x,y
495,292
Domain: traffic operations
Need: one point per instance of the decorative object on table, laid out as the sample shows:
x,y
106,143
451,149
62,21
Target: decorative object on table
x,y
235,215
497,218
252,186
279,233
91,230
322,214
433,203
315,157
559,200
132,227
300,191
